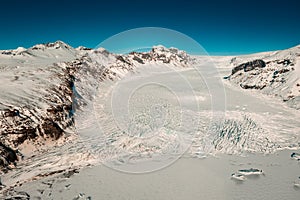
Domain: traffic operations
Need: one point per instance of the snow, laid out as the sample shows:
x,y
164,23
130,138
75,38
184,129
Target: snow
x,y
149,108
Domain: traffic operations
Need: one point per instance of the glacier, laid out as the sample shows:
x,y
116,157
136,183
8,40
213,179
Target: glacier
x,y
65,108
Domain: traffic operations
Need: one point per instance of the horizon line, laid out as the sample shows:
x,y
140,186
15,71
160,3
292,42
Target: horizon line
x,y
191,53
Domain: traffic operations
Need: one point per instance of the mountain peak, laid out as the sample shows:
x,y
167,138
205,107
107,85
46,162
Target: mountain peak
x,y
82,48
160,48
52,45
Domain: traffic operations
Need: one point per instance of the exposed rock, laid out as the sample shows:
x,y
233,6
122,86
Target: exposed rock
x,y
82,48
249,66
7,155
138,60
295,156
68,174
284,62
257,87
52,129
122,59
6,52
251,171
51,45
15,195
276,77
25,121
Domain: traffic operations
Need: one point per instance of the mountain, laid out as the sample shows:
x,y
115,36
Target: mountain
x,y
46,90
273,73
38,94
35,99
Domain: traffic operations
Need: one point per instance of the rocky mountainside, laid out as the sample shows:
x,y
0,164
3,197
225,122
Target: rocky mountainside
x,y
36,97
272,73
43,86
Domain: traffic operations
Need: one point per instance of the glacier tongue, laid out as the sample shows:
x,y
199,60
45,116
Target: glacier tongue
x,y
249,126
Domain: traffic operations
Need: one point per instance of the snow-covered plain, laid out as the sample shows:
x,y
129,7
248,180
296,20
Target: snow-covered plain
x,y
142,112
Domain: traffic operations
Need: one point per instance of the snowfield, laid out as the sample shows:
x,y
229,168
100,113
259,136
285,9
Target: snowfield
x,y
62,109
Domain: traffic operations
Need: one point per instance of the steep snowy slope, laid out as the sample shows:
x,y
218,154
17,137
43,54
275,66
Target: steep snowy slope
x,y
36,96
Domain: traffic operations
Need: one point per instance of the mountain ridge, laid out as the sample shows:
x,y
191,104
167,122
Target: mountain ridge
x,y
62,43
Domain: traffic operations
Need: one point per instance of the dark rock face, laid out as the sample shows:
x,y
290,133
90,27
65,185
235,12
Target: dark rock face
x,y
7,52
122,59
146,56
7,155
52,129
284,62
138,60
249,66
245,86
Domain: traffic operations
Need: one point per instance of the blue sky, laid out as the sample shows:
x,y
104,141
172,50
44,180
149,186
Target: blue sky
x,y
221,27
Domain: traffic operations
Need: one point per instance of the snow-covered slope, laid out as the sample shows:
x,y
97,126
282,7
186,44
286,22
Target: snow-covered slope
x,y
277,74
36,97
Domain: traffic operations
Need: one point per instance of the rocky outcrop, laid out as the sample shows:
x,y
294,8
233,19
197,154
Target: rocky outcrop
x,y
7,155
17,195
50,45
272,73
257,87
164,55
248,66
